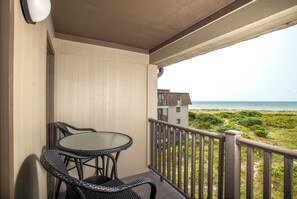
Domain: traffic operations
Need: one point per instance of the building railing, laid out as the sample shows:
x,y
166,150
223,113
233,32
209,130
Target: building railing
x,y
163,118
180,157
201,164
162,102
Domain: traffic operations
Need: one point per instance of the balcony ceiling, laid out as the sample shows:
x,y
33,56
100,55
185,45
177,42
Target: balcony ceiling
x,y
144,24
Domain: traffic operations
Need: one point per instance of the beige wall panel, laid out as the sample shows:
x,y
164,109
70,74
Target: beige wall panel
x,y
106,89
152,88
182,115
29,122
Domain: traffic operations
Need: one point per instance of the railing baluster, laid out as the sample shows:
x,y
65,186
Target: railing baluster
x,y
168,152
210,168
152,148
186,168
221,168
201,166
155,144
267,175
164,150
193,167
250,174
159,148
174,156
288,178
179,158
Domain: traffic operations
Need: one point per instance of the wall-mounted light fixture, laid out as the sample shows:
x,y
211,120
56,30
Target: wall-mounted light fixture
x,y
35,10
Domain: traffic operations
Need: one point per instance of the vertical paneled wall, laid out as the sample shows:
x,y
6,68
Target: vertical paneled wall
x,y
106,89
29,105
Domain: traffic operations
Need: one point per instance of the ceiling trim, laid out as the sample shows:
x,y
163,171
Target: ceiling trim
x,y
99,43
222,12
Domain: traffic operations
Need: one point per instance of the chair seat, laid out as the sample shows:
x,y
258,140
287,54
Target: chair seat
x,y
128,194
99,180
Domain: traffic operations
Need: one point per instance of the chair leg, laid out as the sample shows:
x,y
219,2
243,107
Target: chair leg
x,y
97,166
79,168
58,188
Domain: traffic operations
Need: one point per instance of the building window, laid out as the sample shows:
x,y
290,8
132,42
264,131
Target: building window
x,y
177,109
178,98
160,96
177,121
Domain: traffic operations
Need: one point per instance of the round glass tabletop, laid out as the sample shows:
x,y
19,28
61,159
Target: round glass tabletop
x,y
95,143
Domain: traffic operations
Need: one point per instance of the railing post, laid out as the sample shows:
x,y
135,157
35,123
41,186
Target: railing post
x,y
232,175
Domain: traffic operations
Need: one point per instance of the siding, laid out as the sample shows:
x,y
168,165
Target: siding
x,y
29,112
106,89
182,115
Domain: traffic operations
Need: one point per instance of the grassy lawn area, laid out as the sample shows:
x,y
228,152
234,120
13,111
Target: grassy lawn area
x,y
273,127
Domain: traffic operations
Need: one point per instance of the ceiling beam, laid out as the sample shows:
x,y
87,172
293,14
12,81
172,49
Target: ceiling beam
x,y
99,43
249,21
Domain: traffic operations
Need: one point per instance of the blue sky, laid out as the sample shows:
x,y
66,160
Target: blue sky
x,y
261,69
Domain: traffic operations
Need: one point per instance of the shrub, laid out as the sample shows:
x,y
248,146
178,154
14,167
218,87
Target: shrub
x,y
250,122
260,133
283,121
192,116
250,113
226,114
203,126
224,128
209,118
256,127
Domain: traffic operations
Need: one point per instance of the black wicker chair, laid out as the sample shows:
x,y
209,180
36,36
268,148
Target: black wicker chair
x,y
66,130
76,188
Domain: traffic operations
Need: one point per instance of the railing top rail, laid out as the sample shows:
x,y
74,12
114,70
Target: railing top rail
x,y
268,147
195,131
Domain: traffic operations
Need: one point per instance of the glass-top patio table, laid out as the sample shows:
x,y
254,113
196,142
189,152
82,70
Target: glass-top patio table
x,y
94,144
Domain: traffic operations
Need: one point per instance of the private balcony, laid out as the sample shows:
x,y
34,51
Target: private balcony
x,y
95,64
192,163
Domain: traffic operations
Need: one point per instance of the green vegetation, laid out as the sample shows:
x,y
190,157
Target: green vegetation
x,y
273,127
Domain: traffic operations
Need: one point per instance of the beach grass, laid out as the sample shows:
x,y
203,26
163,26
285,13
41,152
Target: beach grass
x,y
278,128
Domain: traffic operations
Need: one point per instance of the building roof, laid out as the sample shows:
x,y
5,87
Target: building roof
x,y
171,97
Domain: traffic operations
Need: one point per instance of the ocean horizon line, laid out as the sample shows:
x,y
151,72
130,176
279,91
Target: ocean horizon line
x,y
245,105
239,101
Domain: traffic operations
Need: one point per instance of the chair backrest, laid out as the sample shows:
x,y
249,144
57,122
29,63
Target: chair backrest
x,y
63,128
52,162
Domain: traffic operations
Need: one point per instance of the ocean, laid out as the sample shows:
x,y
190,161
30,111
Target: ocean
x,y
244,105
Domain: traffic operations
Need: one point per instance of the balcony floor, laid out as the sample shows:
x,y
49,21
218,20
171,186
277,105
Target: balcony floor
x,y
164,191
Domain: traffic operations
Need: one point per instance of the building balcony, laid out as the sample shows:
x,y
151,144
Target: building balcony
x,y
162,103
191,163
163,118
201,164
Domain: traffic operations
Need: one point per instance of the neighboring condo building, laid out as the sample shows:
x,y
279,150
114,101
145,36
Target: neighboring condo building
x,y
173,107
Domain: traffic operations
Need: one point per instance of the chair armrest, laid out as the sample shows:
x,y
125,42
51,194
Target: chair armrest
x,y
81,129
116,189
73,155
